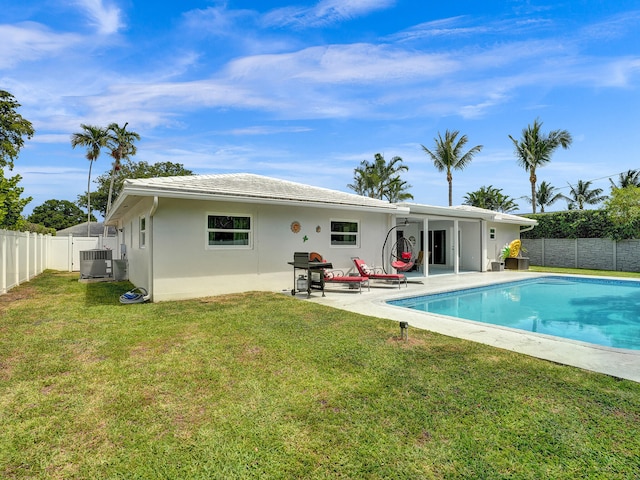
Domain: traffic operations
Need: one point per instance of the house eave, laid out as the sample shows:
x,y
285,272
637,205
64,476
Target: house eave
x,y
130,193
467,213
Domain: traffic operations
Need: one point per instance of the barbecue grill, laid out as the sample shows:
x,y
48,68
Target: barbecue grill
x,y
314,273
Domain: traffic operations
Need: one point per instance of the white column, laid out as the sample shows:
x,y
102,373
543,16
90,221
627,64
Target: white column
x,y
425,248
484,237
456,247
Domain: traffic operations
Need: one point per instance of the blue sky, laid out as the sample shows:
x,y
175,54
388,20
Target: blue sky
x,y
306,90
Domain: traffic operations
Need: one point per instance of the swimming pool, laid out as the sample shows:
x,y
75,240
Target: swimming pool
x,y
598,311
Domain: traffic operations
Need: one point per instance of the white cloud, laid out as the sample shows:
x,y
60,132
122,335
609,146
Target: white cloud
x,y
30,41
107,18
324,13
334,64
217,21
265,130
612,28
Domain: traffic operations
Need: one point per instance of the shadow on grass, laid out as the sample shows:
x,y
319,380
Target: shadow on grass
x,y
105,293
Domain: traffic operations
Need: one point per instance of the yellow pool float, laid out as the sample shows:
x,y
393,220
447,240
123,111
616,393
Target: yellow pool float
x,y
514,248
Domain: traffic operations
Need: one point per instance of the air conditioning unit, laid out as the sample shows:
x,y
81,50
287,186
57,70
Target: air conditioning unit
x,y
96,264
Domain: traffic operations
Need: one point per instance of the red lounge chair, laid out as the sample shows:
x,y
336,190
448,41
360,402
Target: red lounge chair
x,y
365,271
337,276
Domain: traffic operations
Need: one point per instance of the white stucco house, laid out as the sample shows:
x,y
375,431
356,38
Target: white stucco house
x,y
196,236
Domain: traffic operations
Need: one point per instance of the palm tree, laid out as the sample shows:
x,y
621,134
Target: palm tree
x,y
490,198
447,155
380,179
534,150
505,204
630,178
546,196
582,194
94,138
121,143
484,197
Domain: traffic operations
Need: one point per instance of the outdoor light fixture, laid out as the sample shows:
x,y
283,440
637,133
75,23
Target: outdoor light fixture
x,y
404,330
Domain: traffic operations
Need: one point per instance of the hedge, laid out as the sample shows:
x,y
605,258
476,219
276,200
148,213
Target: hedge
x,y
580,224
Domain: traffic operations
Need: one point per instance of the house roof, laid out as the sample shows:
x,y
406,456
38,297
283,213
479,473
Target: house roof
x,y
80,230
469,212
244,187
499,216
251,188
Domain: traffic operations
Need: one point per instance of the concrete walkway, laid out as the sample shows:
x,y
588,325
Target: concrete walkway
x,y
611,361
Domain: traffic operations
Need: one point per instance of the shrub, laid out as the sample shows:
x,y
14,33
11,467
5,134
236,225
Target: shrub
x,y
580,224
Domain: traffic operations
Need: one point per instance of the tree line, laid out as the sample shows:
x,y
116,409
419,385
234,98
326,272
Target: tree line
x,y
533,150
377,179
56,214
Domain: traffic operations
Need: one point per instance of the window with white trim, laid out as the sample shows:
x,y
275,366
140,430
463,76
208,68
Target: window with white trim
x,y
143,231
345,233
229,231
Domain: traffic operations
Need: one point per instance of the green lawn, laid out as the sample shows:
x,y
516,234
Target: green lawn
x,y
583,271
264,385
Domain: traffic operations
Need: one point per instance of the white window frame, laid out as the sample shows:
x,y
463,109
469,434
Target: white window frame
x,y
142,237
356,234
249,245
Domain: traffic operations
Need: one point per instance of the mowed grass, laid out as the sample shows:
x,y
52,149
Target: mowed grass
x,y
584,271
264,385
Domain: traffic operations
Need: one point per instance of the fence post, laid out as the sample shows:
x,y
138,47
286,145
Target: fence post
x,y
36,257
615,255
3,263
16,239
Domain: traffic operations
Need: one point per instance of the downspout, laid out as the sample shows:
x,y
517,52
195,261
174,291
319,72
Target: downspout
x,y
526,229
152,211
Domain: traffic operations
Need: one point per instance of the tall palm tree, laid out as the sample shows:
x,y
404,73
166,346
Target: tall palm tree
x,y
534,149
121,143
447,155
630,178
582,194
546,196
94,139
381,180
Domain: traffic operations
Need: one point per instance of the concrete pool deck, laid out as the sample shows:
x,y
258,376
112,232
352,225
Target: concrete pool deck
x,y
611,361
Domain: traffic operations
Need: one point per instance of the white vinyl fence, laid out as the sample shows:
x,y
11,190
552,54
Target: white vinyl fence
x,y
24,255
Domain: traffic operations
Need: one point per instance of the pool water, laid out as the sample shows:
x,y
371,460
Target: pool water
x,y
599,311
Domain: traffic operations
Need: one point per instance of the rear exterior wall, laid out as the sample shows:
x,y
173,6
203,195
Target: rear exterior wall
x,y
185,266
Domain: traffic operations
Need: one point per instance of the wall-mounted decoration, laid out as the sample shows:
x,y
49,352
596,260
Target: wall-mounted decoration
x,y
304,239
412,239
318,229
295,227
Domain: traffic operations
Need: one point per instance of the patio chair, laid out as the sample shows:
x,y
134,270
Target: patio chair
x,y
404,263
338,276
375,274
419,261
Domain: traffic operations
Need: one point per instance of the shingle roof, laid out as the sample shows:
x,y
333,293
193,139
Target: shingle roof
x,y
249,186
80,230
499,216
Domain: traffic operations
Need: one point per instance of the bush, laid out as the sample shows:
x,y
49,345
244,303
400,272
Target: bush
x,y
579,224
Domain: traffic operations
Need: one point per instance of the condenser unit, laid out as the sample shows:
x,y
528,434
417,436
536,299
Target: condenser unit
x,y
96,264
